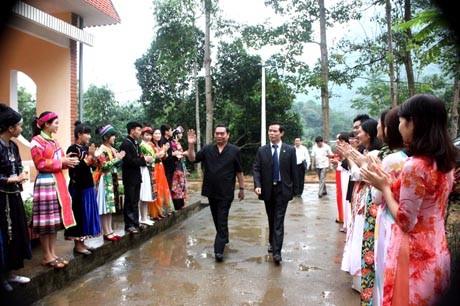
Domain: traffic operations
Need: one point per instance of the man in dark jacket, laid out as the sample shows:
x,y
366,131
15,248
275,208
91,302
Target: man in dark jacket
x,y
222,164
275,173
132,179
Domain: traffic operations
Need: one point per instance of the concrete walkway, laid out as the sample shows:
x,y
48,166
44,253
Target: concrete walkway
x,y
177,266
45,280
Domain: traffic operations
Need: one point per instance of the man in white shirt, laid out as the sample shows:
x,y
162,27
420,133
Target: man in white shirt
x,y
320,153
303,163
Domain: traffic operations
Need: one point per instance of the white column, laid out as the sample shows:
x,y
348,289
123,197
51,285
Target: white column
x,y
263,128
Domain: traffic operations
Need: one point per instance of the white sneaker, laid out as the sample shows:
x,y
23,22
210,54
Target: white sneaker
x,y
18,279
147,222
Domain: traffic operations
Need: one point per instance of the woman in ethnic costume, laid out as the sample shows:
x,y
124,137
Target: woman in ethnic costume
x,y
148,186
52,208
81,188
14,238
106,180
417,264
163,205
393,163
179,182
352,254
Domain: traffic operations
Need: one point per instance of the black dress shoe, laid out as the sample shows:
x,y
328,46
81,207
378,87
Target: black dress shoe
x,y
219,257
277,259
270,248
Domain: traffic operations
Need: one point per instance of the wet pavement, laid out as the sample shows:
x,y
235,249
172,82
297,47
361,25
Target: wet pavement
x,y
177,266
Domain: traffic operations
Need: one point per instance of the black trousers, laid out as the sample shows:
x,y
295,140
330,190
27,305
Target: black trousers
x,y
131,207
276,211
219,210
300,179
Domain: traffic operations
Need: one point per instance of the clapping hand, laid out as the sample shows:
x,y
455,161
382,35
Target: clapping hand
x,y
91,149
374,174
121,154
70,160
191,137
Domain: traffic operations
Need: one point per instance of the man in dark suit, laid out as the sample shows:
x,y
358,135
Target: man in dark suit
x,y
222,164
275,172
131,173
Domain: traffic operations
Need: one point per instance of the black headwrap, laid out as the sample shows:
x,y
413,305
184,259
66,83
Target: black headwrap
x,y
8,117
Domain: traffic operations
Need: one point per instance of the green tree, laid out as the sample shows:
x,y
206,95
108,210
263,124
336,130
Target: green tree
x,y
27,107
166,71
293,36
100,108
238,99
375,96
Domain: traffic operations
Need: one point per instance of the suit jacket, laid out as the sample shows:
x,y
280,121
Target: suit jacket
x,y
132,162
263,171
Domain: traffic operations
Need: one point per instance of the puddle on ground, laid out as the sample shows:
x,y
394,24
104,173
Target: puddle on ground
x,y
303,267
256,259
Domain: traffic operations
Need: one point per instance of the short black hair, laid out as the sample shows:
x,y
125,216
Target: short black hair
x,y
132,125
224,126
318,139
277,123
361,117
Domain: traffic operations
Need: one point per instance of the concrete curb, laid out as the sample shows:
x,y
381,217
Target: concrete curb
x,y
45,281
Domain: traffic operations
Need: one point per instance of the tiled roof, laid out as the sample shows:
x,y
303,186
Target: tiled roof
x,y
106,7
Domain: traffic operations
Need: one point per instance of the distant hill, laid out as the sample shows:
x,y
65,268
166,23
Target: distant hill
x,y
340,100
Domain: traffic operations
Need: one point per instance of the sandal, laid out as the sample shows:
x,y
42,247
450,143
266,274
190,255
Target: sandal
x,y
64,261
55,264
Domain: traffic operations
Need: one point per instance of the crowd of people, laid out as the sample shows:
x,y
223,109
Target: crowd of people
x,y
395,175
151,161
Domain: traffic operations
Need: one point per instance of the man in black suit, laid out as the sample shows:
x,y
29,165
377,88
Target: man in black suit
x,y
131,173
222,164
275,172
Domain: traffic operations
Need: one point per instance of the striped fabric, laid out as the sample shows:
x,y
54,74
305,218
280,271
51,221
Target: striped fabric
x,y
46,212
47,156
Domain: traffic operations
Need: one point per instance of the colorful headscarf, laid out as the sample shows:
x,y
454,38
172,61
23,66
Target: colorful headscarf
x,y
106,129
41,121
147,129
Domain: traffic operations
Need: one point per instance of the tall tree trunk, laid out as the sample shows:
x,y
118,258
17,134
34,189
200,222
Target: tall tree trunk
x,y
197,117
207,69
394,101
324,72
407,55
454,110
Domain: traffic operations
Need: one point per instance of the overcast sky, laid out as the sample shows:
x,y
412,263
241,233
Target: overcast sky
x,y
111,60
